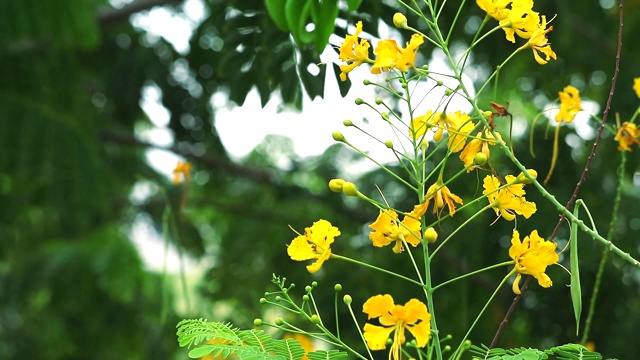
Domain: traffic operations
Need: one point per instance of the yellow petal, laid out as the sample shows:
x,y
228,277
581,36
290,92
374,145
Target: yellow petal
x,y
378,305
421,332
376,336
300,249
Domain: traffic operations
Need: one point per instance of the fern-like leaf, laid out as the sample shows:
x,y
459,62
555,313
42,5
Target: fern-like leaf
x,y
327,355
194,331
573,352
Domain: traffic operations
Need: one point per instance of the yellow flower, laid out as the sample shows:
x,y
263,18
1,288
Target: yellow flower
x,y
522,20
497,9
532,256
305,342
508,201
390,55
353,51
457,124
314,244
627,135
636,86
441,196
480,144
569,104
182,172
412,316
387,229
538,42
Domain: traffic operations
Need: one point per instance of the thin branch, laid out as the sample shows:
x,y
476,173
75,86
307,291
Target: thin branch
x,y
583,177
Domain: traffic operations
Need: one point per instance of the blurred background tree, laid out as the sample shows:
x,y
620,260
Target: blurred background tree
x,y
74,145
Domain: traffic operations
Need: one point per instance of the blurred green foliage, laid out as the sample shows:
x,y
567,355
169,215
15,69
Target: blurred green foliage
x,y
72,285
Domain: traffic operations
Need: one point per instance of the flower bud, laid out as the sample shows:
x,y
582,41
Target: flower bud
x,y
480,159
424,145
521,179
279,321
305,297
385,116
347,299
430,235
314,283
278,298
347,123
366,81
378,101
336,185
257,322
263,301
388,144
337,287
399,20
350,189
337,136
359,101
315,319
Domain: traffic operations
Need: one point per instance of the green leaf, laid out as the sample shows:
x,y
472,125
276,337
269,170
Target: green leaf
x,y
576,293
297,12
354,4
323,14
275,8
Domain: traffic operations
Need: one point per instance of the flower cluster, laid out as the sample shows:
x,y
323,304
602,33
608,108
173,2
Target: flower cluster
x,y
389,55
516,17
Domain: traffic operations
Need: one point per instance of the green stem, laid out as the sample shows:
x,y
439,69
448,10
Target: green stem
x,y
484,308
378,269
506,263
459,228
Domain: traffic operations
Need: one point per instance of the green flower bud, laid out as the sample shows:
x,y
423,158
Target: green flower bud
x,y
378,101
448,92
359,101
399,20
315,319
347,299
279,321
307,288
480,159
424,145
263,301
336,185
305,297
337,136
257,322
278,298
314,283
366,82
350,189
337,287
347,123
430,235
425,67
439,83
385,116
388,144
521,179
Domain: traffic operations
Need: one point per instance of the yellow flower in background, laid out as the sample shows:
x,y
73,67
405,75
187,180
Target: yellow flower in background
x,y
441,196
353,51
627,135
636,86
314,244
570,104
508,201
412,316
388,229
539,43
479,144
420,125
460,125
182,172
390,55
532,256
305,342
